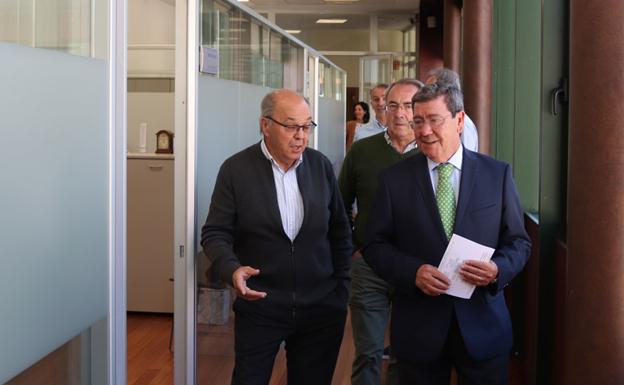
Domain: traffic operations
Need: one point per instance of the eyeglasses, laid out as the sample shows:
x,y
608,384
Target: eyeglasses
x,y
292,128
394,107
434,121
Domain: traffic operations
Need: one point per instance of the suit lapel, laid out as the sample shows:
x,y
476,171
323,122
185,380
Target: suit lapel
x,y
469,170
423,180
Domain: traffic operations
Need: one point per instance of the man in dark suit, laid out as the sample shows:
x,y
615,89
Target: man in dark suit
x,y
277,231
420,203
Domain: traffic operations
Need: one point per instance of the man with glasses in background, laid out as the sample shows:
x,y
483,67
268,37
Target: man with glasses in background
x,y
277,231
421,202
371,295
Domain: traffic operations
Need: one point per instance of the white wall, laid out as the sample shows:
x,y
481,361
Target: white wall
x,y
151,54
154,108
151,38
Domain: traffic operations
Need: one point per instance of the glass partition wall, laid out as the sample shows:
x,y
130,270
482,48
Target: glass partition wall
x,y
254,57
250,51
61,228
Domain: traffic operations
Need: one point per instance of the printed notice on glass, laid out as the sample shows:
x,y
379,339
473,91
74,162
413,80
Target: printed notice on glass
x,y
459,250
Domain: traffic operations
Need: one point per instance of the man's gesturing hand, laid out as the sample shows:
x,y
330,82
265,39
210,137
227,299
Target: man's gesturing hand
x,y
239,281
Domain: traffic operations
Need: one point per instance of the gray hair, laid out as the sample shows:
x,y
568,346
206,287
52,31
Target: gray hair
x,y
404,82
453,97
270,100
267,106
268,103
445,76
380,85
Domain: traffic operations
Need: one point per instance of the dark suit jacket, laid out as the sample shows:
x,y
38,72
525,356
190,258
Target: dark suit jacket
x,y
244,227
405,232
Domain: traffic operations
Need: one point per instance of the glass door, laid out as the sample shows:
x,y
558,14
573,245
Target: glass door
x,y
374,70
312,93
62,239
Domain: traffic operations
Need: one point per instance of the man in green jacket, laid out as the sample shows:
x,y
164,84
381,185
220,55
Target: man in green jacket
x,y
370,295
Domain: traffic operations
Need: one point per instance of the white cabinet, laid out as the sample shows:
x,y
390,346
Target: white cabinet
x,y
150,233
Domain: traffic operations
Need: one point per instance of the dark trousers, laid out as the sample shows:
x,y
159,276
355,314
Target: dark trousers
x,y
312,339
493,371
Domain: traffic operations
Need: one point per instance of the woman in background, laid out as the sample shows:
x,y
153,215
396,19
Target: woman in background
x,y
362,115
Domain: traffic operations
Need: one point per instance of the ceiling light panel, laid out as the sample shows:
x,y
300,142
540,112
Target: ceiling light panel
x,y
331,21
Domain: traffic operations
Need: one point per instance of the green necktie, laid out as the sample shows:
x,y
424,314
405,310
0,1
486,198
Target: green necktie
x,y
446,198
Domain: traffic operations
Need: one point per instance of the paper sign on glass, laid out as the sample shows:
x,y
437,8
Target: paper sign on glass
x,y
461,249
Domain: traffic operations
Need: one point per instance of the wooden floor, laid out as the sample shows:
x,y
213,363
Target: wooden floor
x,y
215,357
149,360
151,363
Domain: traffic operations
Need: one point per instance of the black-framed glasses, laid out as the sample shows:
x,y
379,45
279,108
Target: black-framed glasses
x,y
292,128
394,107
434,121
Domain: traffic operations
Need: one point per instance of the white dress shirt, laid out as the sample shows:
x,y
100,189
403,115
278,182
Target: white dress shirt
x,y
456,160
470,137
289,197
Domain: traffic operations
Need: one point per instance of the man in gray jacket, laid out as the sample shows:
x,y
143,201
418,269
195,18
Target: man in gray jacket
x,y
277,231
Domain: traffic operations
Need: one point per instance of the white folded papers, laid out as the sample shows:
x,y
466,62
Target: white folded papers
x,y
458,251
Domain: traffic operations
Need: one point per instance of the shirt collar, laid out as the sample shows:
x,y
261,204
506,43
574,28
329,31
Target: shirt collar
x,y
267,154
412,145
456,160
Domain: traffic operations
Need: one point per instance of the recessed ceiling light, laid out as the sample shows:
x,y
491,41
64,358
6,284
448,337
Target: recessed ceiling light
x,y
331,21
243,1
292,31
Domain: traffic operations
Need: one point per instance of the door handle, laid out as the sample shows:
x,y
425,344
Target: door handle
x,y
154,168
559,96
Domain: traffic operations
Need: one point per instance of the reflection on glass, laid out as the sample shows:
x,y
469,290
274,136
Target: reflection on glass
x,y
375,70
78,361
341,80
293,65
329,81
275,69
321,79
250,51
63,25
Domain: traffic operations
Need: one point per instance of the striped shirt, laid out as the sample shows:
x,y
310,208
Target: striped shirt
x,y
289,197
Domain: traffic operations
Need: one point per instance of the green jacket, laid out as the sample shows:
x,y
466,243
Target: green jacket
x,y
358,178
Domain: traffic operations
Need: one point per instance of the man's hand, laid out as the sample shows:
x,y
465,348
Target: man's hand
x,y
478,273
239,281
431,280
357,254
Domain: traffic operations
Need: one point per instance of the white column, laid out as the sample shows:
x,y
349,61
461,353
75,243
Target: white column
x,y
373,44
